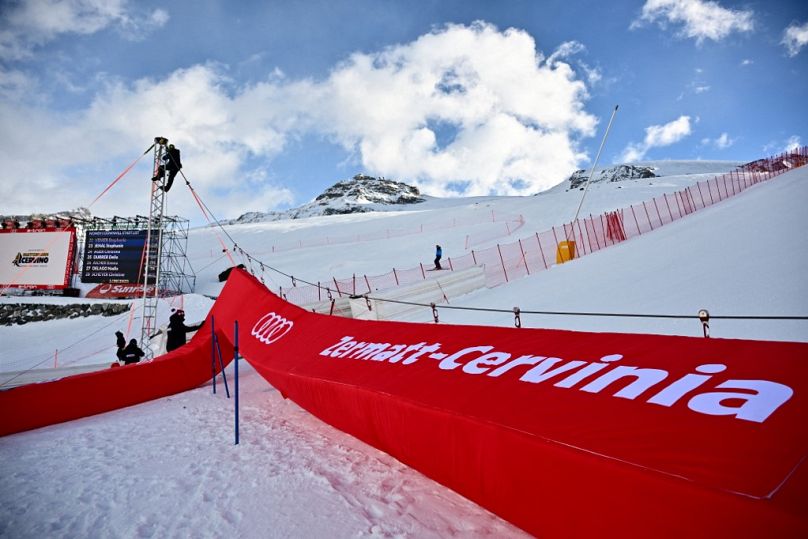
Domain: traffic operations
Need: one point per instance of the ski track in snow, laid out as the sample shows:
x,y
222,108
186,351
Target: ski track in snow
x,y
290,476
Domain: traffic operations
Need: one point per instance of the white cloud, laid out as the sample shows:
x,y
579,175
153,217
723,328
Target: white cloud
x,y
73,156
722,142
792,143
747,62
700,19
657,136
31,23
795,37
505,105
463,105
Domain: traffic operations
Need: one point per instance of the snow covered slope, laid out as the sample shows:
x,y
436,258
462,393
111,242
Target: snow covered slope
x,y
168,468
743,256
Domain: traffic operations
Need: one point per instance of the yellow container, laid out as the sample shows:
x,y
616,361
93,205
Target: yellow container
x,y
565,252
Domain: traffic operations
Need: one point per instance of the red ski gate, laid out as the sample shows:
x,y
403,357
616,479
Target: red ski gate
x,y
562,433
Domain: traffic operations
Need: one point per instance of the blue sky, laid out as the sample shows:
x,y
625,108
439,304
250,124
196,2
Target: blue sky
x,y
272,102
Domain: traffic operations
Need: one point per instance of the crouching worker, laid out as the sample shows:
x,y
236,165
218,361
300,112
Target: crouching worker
x,y
177,330
132,353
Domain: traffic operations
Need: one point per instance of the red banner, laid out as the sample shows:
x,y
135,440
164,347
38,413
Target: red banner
x,y
560,432
37,405
118,290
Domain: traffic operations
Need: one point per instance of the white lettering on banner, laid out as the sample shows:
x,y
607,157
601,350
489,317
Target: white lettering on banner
x,y
118,289
757,400
271,327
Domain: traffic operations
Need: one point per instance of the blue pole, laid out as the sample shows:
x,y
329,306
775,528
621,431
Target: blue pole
x,y
235,366
221,364
213,353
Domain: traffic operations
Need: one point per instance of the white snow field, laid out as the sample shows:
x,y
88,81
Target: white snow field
x,y
168,468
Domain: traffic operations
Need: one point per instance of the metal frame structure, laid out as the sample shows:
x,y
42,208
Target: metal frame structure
x,y
151,259
166,270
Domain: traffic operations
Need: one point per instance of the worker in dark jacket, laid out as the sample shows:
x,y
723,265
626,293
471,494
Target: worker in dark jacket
x,y
177,330
132,353
438,255
121,344
173,165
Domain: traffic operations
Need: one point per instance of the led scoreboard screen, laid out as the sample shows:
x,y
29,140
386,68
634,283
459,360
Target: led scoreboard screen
x,y
116,256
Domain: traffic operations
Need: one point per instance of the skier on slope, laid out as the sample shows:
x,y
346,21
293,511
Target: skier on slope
x,y
438,255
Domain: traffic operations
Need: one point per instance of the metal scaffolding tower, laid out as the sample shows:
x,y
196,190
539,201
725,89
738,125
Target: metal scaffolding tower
x,y
154,243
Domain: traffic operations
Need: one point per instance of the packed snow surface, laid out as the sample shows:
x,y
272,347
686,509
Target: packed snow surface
x,y
169,468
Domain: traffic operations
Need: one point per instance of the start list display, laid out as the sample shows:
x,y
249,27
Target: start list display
x,y
115,256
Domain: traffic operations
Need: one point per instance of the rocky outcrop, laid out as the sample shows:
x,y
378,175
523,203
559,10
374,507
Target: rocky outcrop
x,y
614,174
360,194
22,313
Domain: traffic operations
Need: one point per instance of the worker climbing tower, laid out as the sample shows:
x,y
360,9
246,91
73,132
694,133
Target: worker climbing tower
x,y
151,262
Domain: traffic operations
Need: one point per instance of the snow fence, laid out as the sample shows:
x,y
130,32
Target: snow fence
x,y
540,251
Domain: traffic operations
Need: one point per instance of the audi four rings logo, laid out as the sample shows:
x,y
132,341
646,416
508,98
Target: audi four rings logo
x,y
271,327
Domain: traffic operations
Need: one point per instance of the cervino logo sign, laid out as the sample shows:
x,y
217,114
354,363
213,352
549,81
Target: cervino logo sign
x,y
27,259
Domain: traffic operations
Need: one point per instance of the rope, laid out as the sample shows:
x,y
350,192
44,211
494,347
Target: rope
x,y
208,215
574,313
121,175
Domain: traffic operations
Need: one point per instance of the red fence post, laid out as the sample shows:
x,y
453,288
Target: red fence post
x,y
665,196
701,195
395,276
473,257
595,232
604,225
450,264
648,215
368,284
423,273
523,256
556,240
588,237
503,263
657,211
544,260
337,286
637,223
692,200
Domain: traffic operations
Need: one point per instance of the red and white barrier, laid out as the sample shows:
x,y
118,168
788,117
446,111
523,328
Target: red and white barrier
x,y
562,433
531,254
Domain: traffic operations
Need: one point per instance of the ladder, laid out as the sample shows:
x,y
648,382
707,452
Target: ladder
x,y
151,260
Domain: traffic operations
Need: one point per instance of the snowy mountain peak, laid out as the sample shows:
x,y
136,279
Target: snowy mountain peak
x,y
613,174
359,194
363,189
